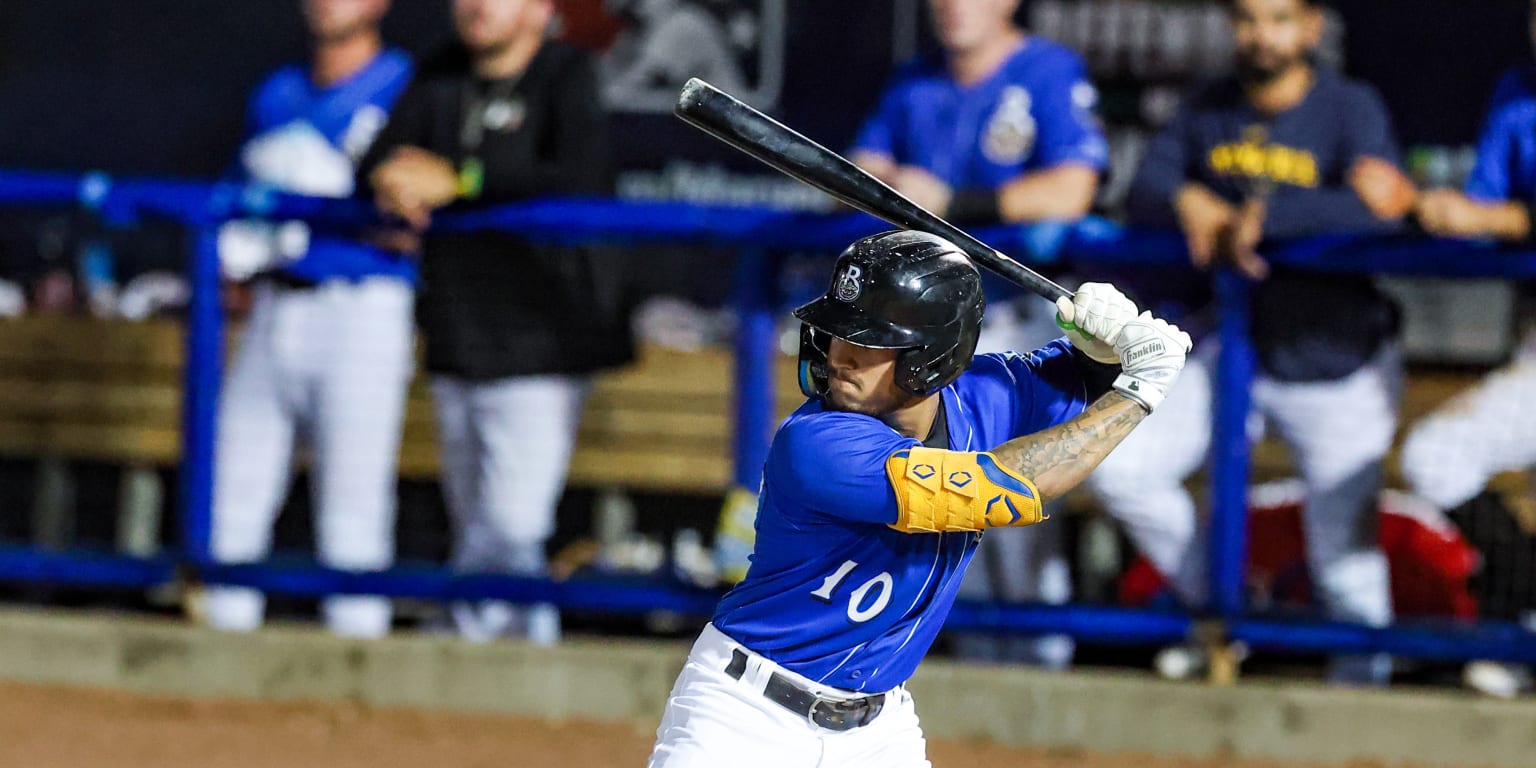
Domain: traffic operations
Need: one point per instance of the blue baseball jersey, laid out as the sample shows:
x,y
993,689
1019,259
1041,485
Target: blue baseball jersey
x,y
1506,150
833,592
1035,112
307,139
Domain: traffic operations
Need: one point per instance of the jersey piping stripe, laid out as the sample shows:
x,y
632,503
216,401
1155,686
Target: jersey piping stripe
x,y
840,664
970,430
938,552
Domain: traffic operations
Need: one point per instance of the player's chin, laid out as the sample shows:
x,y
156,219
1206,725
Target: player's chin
x,y
837,399
863,406
1260,67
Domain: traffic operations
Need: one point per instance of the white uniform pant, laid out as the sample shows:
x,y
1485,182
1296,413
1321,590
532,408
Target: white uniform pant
x,y
330,364
714,720
506,447
1141,482
1337,431
1451,454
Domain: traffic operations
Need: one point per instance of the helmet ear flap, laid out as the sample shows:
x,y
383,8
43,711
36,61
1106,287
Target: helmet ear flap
x,y
813,362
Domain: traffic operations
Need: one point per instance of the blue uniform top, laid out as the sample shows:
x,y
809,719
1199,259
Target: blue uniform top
x,y
833,593
307,139
1033,113
1506,150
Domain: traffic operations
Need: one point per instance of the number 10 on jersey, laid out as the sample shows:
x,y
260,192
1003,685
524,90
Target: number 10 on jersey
x,y
861,607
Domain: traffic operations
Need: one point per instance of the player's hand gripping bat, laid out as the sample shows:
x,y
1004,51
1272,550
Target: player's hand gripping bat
x,y
728,119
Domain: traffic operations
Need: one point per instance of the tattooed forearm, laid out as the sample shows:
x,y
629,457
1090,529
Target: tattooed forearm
x,y
1057,459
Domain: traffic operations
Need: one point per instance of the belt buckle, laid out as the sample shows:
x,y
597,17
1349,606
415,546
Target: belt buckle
x,y
873,706
810,714
846,714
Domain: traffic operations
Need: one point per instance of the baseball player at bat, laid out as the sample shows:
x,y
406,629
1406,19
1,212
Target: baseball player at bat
x,y
877,491
326,351
998,126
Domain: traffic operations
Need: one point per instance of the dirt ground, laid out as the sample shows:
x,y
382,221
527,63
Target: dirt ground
x,y
56,727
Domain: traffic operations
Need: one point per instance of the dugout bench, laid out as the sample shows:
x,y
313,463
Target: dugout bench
x,y
81,389
110,391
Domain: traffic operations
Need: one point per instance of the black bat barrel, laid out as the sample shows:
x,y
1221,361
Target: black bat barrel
x,y
730,120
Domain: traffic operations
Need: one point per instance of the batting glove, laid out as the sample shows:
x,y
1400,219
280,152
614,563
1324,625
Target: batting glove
x,y
1093,318
1152,353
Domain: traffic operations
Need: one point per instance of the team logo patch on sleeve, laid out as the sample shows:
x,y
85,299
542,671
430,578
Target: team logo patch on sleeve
x,y
1010,134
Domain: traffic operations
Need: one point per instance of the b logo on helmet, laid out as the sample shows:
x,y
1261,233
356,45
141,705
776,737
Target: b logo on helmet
x,y
847,286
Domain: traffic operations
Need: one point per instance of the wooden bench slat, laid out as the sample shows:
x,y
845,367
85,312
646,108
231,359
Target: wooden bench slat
x,y
111,390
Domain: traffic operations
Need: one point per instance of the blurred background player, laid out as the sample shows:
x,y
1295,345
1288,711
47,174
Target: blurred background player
x,y
998,127
326,351
1284,148
665,43
512,331
1449,456
877,491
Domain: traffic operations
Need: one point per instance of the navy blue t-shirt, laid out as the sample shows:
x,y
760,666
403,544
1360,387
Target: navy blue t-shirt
x,y
1307,326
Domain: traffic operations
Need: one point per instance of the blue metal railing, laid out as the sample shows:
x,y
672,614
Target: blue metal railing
x,y
759,237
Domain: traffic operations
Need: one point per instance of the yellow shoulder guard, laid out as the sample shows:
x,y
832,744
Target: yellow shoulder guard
x,y
939,491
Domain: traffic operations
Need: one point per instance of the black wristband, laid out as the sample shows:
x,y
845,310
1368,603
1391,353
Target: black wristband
x,y
974,206
1098,378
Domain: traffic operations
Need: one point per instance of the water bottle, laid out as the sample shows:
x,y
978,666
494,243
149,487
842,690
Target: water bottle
x,y
97,269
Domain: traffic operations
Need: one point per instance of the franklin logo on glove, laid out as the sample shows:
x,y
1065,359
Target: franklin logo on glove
x,y
1152,348
1104,325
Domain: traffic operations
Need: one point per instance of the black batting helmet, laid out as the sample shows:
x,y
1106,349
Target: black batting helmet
x,y
903,290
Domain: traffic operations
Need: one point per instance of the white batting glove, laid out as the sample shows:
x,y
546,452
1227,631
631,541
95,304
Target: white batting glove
x,y
1152,353
1093,317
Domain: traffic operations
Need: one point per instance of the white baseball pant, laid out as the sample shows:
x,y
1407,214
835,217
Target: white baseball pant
x,y
715,720
1141,482
330,364
1450,455
506,447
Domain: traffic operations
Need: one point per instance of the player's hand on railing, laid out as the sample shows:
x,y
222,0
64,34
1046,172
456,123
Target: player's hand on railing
x,y
412,183
1093,317
1239,242
1152,353
1203,217
923,188
1383,187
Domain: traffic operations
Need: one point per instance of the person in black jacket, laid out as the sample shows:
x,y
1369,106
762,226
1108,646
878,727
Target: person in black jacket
x,y
513,331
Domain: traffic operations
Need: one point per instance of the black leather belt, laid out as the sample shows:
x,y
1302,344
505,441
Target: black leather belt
x,y
831,714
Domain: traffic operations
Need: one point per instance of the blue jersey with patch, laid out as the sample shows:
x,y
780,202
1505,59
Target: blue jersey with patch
x,y
1033,113
307,139
1506,150
834,593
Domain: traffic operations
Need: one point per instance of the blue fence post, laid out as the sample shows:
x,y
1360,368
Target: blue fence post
x,y
204,361
1228,556
756,346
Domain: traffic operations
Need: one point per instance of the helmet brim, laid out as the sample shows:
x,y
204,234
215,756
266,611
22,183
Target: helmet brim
x,y
855,326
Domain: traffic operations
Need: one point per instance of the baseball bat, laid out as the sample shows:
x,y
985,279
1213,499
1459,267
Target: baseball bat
x,y
730,120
